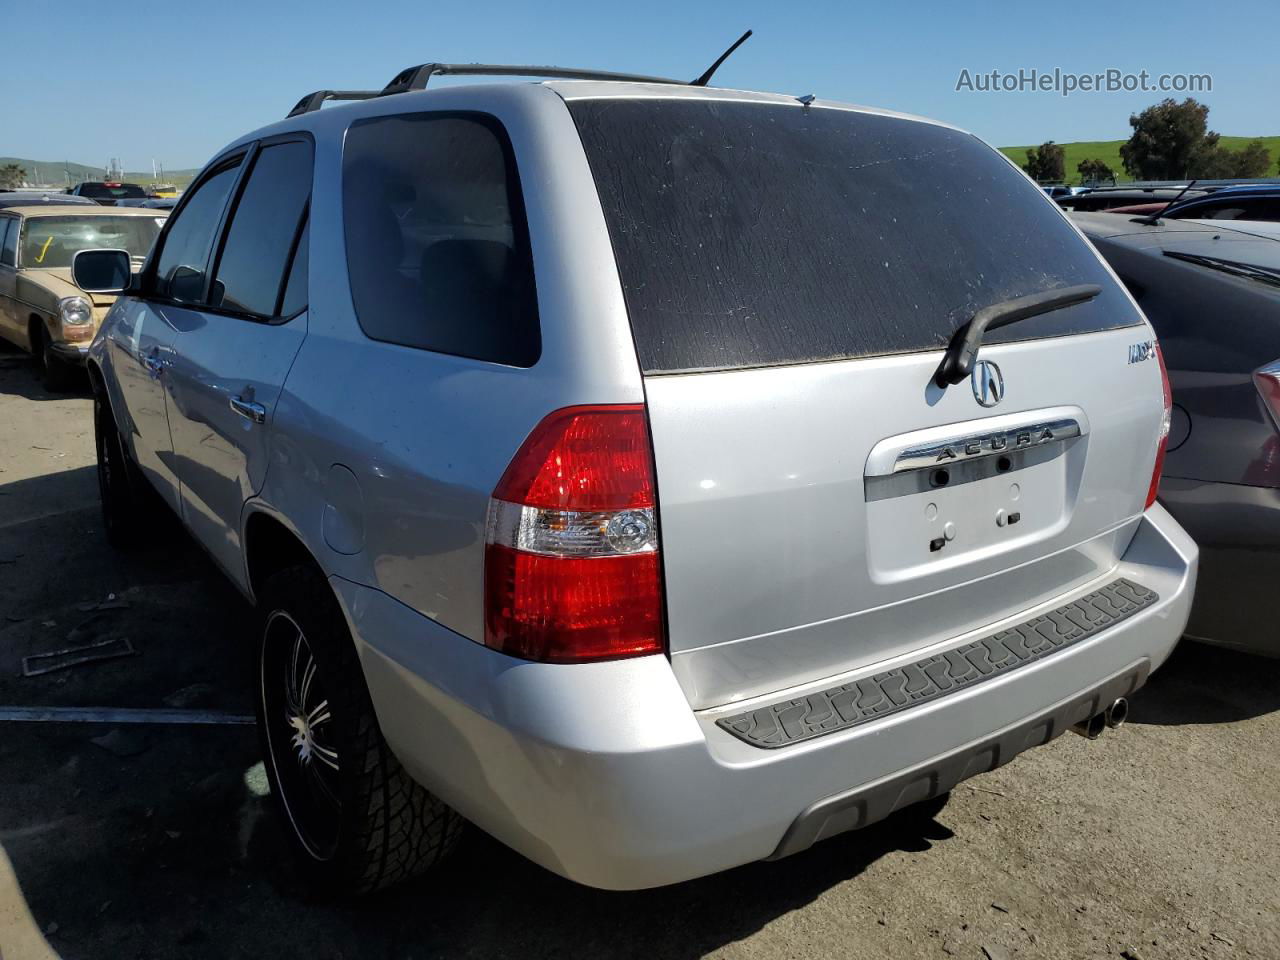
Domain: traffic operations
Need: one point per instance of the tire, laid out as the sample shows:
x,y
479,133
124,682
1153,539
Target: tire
x,y
59,376
121,486
355,818
35,333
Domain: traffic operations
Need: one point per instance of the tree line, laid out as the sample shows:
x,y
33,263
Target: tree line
x,y
1170,141
12,175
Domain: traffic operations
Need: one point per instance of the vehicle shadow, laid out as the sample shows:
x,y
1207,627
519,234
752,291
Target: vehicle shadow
x,y
1204,684
527,911
60,492
170,853
23,379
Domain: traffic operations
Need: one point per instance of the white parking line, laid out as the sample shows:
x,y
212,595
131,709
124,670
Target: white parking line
x,y
123,715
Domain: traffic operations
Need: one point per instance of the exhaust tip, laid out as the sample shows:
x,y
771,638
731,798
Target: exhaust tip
x,y
1092,728
1118,713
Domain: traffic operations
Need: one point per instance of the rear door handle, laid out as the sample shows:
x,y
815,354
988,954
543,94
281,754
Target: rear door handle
x,y
155,365
251,411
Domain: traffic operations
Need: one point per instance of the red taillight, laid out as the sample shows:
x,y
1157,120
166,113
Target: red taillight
x,y
583,458
571,555
1267,381
1162,439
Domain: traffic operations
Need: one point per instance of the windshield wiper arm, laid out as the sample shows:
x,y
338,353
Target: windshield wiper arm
x,y
1234,267
958,361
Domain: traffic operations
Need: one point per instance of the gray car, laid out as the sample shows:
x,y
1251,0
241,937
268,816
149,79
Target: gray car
x,y
1212,291
659,478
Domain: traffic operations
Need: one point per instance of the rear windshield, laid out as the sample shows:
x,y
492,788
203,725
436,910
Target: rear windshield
x,y
51,242
754,234
118,191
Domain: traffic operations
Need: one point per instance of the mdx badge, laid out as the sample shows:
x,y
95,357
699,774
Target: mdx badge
x,y
988,383
1142,351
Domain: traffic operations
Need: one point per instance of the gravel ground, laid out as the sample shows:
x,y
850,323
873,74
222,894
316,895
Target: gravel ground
x,y
1157,841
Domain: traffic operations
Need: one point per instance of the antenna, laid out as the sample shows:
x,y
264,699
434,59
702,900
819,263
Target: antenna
x,y
706,76
1154,218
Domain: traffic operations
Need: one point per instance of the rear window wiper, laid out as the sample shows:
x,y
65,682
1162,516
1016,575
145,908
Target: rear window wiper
x,y
958,361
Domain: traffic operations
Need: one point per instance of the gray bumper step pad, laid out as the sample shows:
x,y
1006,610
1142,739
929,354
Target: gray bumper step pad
x,y
851,704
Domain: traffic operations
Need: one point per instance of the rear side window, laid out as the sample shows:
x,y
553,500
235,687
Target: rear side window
x,y
437,242
188,243
8,241
753,234
264,228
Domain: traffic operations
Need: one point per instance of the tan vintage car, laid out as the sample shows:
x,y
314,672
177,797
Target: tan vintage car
x,y
41,308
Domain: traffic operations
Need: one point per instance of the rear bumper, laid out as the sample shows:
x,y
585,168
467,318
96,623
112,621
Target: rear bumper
x,y
867,804
603,773
1238,530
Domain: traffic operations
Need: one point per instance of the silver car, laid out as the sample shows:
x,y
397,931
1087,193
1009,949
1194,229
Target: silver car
x,y
659,478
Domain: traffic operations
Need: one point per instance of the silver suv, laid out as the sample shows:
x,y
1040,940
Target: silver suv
x,y
660,478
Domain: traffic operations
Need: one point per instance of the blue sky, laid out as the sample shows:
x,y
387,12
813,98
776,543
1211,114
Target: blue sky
x,y
176,81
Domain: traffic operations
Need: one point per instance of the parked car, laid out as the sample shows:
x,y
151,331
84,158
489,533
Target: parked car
x,y
41,308
1213,295
29,199
1105,198
108,192
1250,202
652,475
150,203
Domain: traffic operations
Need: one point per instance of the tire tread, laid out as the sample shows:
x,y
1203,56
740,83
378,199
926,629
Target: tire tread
x,y
394,828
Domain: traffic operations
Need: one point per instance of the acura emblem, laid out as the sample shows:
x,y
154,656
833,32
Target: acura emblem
x,y
988,383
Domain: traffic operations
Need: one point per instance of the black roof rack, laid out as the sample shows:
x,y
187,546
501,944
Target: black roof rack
x,y
416,78
313,101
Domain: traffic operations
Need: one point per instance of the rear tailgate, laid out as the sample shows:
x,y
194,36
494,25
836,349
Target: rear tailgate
x,y
791,276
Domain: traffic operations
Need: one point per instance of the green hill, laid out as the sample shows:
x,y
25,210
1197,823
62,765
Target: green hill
x,y
57,171
1108,151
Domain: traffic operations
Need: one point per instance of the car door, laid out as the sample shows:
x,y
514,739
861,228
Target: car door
x,y
237,346
141,343
8,280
